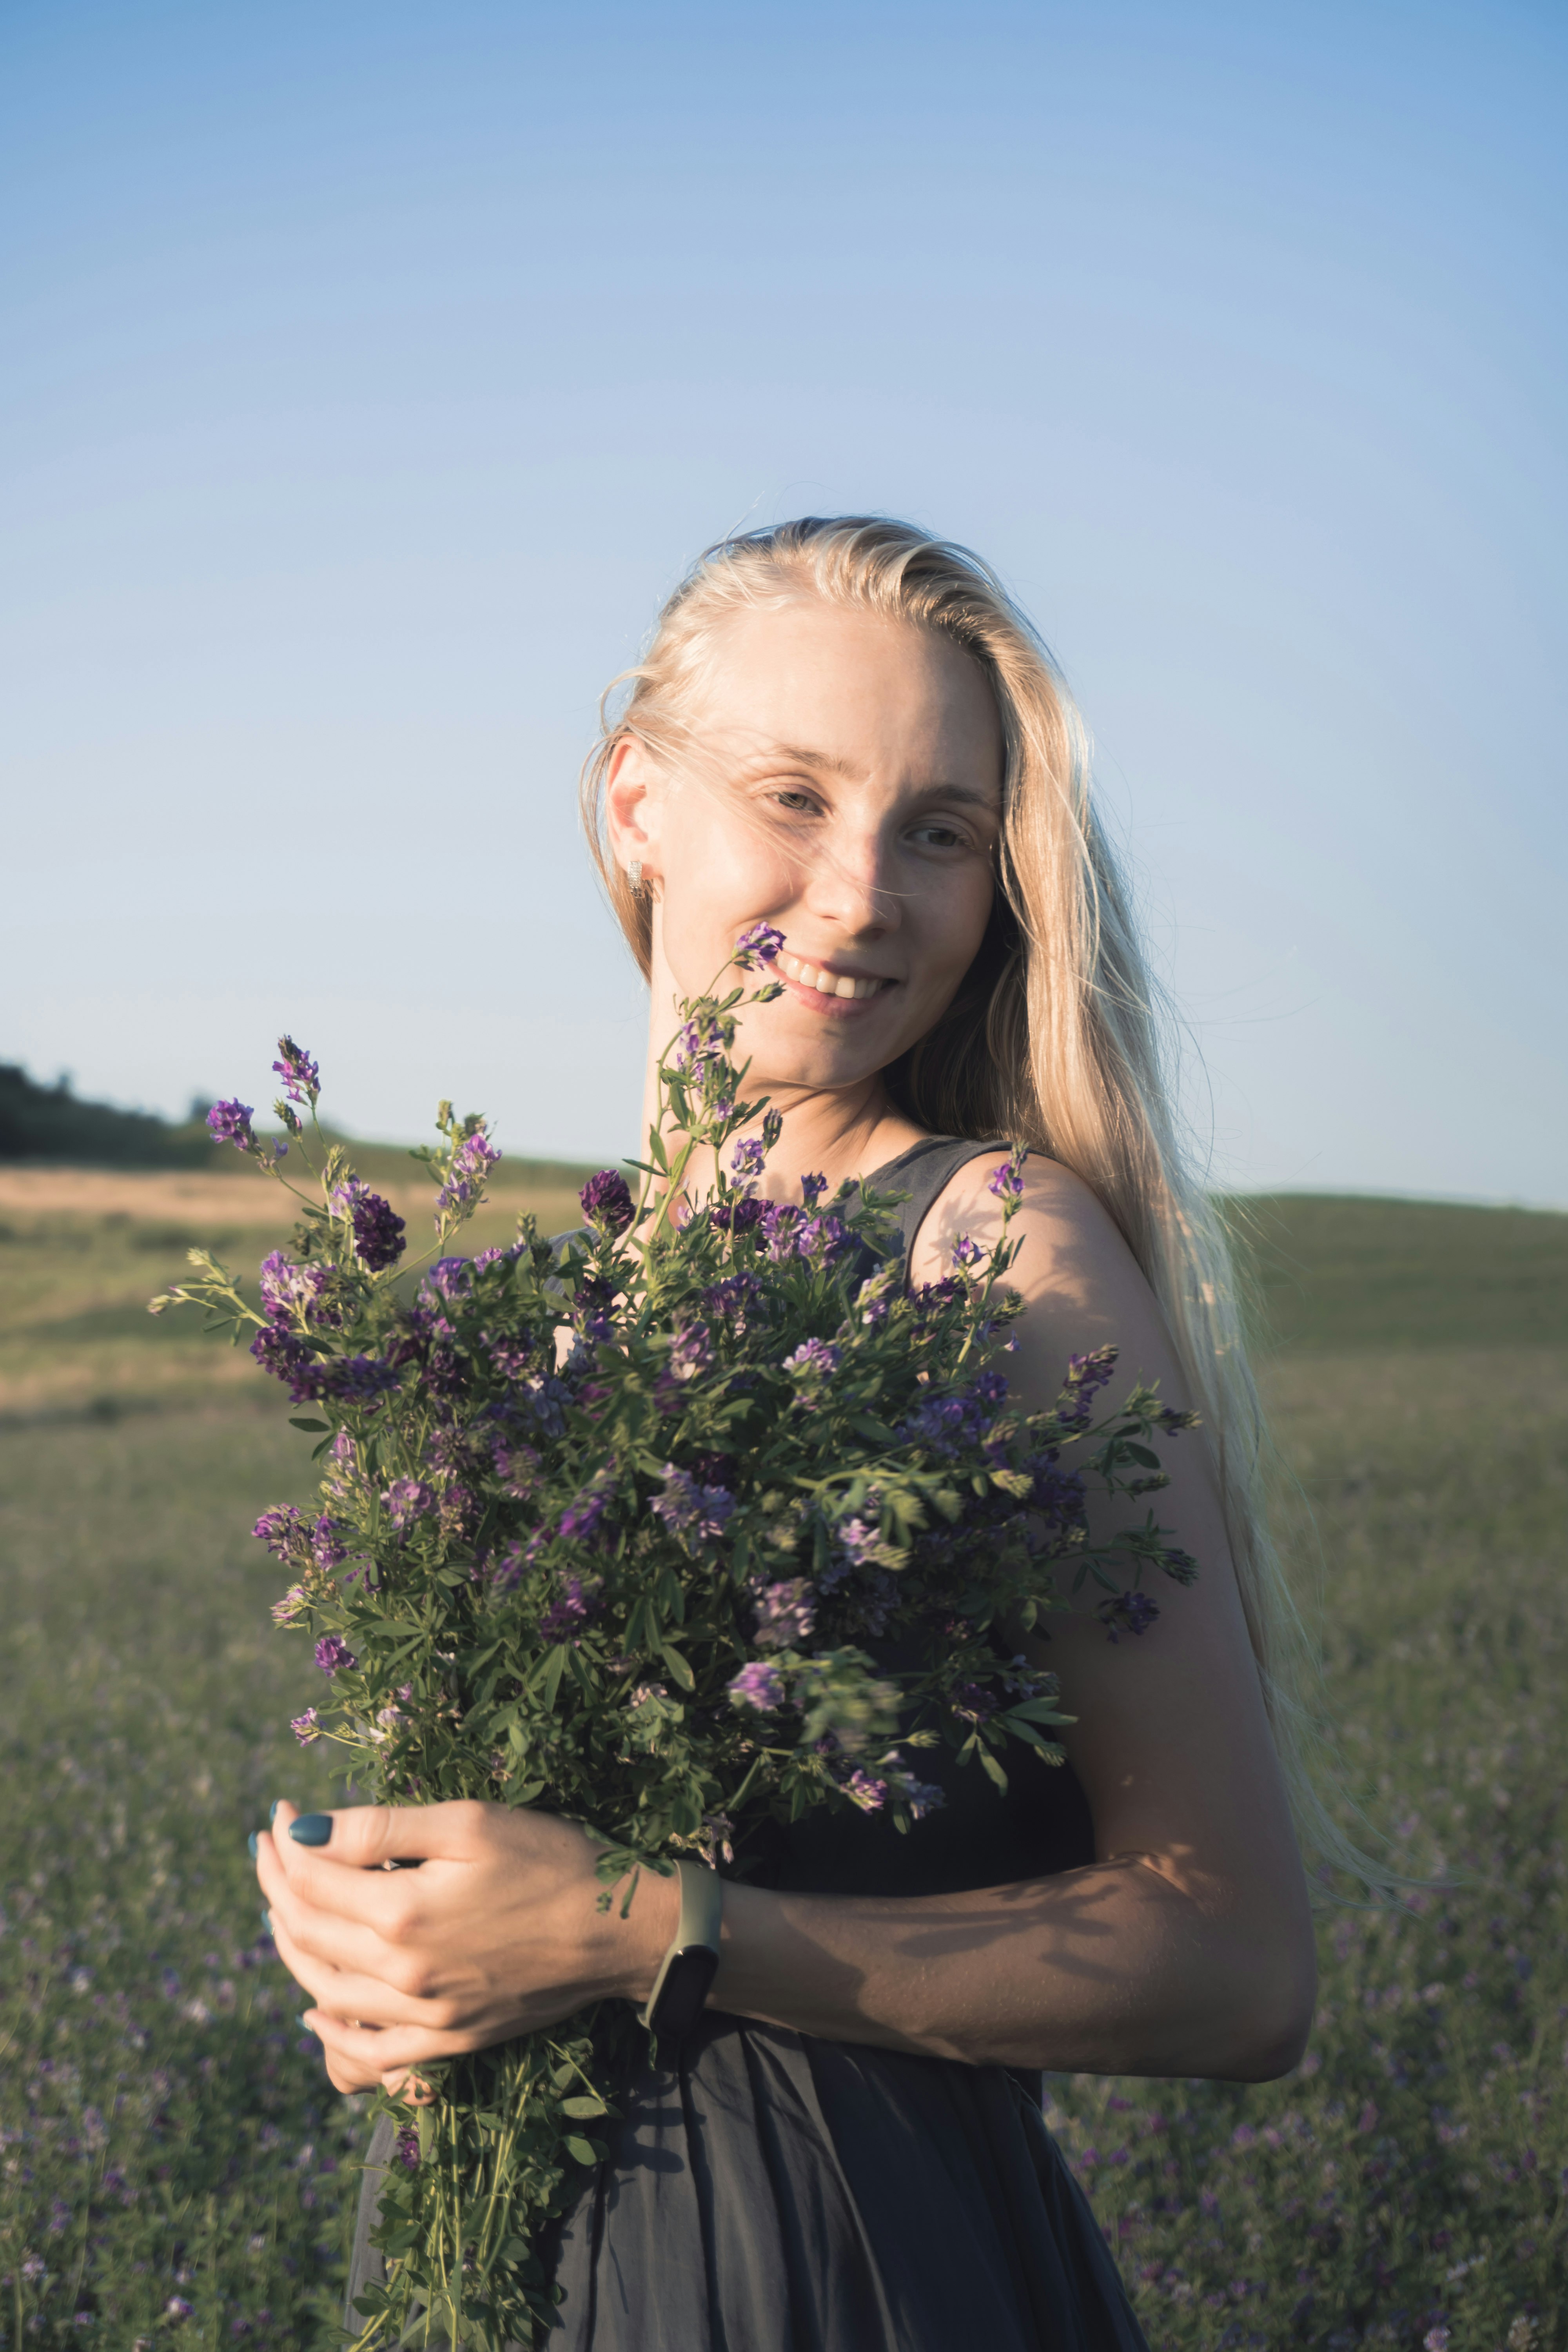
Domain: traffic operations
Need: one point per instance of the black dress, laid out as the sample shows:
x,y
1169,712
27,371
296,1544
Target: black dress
x,y
766,2192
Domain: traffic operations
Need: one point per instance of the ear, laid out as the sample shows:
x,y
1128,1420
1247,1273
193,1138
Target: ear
x,y
635,791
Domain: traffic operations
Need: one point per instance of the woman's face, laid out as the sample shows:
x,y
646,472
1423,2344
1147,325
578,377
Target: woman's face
x,y
853,801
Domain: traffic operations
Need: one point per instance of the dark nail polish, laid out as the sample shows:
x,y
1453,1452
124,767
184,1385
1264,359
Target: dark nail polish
x,y
312,1829
304,2028
250,1842
273,1812
267,1919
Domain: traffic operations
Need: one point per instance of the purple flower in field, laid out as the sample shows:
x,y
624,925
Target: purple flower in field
x,y
605,1200
305,1728
581,1522
814,1359
1007,1184
178,2308
472,1160
1134,1612
812,1188
326,1549
1436,2340
691,1509
758,946
291,1608
784,1615
406,2150
378,1231
758,1685
573,1605
302,1079
334,1656
229,1122
857,1538
357,1380
690,1351
285,1287
746,1159
282,1530
450,1277
405,1500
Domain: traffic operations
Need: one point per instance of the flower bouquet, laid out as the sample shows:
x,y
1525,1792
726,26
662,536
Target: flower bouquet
x,y
617,1526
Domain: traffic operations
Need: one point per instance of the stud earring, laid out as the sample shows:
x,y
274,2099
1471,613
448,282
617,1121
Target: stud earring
x,y
634,875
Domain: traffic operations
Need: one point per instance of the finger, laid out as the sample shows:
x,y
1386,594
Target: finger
x,y
345,1993
338,1943
363,1837
381,1899
375,2054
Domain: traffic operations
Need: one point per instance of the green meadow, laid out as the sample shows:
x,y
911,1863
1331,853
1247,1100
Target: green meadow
x,y
173,2165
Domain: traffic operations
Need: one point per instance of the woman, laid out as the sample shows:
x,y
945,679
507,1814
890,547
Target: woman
x,y
846,730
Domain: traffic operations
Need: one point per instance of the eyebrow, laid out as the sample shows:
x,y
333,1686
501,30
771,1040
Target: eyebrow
x,y
797,754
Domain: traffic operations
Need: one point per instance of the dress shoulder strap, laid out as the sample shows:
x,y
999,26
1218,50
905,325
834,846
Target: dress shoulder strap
x,y
923,1172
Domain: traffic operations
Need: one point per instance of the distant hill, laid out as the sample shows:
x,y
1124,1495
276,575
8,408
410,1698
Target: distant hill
x,y
49,1123
1340,1272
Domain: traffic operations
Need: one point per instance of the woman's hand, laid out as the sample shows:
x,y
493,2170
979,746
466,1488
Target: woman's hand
x,y
497,1932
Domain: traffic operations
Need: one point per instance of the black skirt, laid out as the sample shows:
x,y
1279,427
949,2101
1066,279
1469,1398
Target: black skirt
x,y
768,2192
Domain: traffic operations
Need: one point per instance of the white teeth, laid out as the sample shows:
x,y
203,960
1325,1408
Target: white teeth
x,y
827,984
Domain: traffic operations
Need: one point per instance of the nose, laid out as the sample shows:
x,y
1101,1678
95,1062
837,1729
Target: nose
x,y
850,884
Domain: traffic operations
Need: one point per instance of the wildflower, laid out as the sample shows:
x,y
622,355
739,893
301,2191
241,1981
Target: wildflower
x,y
406,2149
573,1605
334,1656
229,1122
690,1351
731,1300
302,1077
283,1531
307,1726
178,2308
358,1379
450,1277
287,1288
1134,1611
758,1685
966,1252
861,1790
378,1231
784,1615
814,1359
581,1520
1436,2340
471,1162
691,1509
1007,1184
746,1159
326,1549
921,1797
405,1500
699,1041
605,1200
757,946
973,1704
812,1188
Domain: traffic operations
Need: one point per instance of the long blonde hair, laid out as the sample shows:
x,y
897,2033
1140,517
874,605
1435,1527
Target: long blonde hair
x,y
1056,1037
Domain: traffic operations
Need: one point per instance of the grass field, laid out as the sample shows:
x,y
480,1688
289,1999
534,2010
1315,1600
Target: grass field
x,y
173,2165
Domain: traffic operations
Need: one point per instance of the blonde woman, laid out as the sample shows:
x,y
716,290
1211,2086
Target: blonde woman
x,y
844,729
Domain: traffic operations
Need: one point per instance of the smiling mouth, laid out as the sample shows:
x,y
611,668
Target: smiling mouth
x,y
828,983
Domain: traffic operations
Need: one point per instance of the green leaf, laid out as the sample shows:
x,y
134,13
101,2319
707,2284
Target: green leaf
x,y
553,1672
315,1427
865,1424
583,2108
1139,1454
680,1671
583,2151
994,1770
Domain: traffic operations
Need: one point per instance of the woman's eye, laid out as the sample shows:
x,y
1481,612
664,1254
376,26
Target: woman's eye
x,y
796,803
939,836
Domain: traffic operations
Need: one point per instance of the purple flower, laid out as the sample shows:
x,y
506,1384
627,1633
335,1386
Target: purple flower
x,y
356,1379
450,1277
305,1728
812,1188
758,1685
285,1287
580,1520
784,1615
690,1351
689,1509
405,1500
325,1545
921,1797
178,2308
406,2149
574,1603
972,1702
605,1200
698,1042
1134,1611
302,1079
1007,1184
472,1160
814,1359
758,946
966,1252
746,1159
229,1122
334,1656
731,1298
378,1231
283,1531
863,1791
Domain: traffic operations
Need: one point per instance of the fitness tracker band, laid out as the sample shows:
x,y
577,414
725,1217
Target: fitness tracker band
x,y
687,1971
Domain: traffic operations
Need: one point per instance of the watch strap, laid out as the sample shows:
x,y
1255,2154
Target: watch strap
x,y
686,1973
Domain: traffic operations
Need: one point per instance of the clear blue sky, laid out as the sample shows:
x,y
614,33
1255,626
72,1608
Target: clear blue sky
x,y
371,370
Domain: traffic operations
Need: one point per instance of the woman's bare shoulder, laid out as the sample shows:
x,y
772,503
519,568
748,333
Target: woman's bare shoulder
x,y
1069,1244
